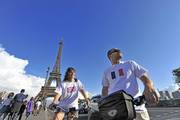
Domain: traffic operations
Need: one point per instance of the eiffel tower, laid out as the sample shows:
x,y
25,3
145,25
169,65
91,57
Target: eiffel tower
x,y
47,90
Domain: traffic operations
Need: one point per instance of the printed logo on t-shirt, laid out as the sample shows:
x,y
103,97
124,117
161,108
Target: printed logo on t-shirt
x,y
71,89
121,72
113,75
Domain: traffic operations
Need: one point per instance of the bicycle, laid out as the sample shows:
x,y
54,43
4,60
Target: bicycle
x,y
69,113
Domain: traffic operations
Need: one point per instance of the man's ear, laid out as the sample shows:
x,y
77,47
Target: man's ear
x,y
121,55
110,58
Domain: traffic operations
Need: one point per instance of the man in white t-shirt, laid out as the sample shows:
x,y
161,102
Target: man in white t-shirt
x,y
67,96
122,75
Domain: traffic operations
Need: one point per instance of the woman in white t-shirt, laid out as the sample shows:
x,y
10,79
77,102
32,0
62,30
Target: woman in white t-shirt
x,y
67,96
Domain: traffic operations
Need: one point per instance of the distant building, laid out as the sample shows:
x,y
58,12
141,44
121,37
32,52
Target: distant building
x,y
169,94
176,94
163,95
89,95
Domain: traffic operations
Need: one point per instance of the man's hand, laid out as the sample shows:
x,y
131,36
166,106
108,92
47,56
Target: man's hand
x,y
150,93
151,96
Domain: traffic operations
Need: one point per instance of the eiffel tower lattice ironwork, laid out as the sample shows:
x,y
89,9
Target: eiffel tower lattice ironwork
x,y
47,90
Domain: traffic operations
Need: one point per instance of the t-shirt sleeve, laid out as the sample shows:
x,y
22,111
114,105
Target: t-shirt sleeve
x,y
138,69
80,85
58,89
105,82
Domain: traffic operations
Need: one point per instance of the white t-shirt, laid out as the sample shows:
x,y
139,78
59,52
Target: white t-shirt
x,y
123,76
69,94
38,103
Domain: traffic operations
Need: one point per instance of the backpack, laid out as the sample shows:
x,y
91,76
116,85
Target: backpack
x,y
117,106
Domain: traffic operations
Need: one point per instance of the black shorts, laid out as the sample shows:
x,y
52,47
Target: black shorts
x,y
72,112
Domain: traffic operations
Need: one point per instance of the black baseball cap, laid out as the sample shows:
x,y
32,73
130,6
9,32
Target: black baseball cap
x,y
112,51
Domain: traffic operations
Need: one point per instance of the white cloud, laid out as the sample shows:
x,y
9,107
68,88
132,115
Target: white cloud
x,y
13,76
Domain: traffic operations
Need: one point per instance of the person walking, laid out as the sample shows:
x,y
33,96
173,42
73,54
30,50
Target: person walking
x,y
67,96
37,107
17,102
122,75
29,108
21,111
6,105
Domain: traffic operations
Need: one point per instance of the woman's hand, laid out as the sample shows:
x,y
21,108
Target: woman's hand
x,y
52,106
87,102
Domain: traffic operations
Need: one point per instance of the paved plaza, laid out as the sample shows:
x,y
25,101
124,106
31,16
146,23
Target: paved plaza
x,y
163,113
160,113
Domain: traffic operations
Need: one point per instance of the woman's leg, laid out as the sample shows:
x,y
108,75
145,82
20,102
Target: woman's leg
x,y
142,116
59,116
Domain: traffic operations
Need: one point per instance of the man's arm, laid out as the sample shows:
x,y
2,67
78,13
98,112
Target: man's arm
x,y
105,91
149,91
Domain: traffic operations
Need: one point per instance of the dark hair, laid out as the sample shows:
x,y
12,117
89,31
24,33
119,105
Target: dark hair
x,y
11,94
22,90
69,69
112,51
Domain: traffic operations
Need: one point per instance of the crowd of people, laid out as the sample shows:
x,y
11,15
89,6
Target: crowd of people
x,y
13,106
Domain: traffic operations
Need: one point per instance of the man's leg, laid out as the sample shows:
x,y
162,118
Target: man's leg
x,y
142,116
20,116
13,115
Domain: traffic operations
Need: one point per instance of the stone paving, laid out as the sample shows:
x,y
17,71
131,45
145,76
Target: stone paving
x,y
160,113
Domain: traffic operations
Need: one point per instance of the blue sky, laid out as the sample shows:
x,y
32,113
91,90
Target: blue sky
x,y
145,31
